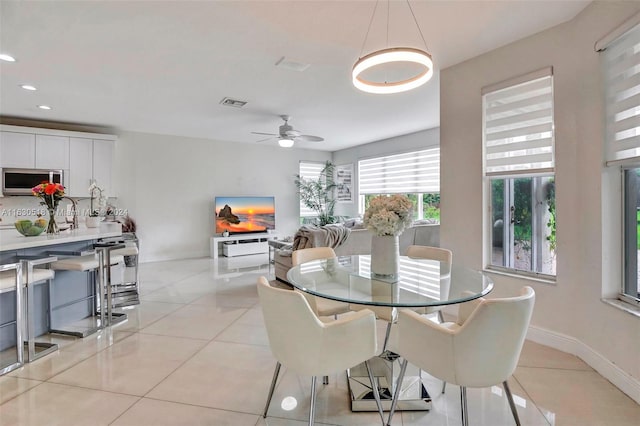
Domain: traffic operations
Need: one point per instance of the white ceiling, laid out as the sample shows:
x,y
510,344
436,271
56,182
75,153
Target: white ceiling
x,y
163,67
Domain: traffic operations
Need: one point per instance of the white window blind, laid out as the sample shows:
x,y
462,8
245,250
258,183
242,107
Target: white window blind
x,y
621,62
518,125
309,171
412,172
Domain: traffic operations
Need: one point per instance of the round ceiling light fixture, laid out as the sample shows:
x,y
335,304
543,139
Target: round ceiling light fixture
x,y
8,58
386,56
47,107
391,57
28,87
285,143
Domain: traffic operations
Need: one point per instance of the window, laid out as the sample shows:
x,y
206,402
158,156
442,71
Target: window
x,y
415,174
518,142
621,66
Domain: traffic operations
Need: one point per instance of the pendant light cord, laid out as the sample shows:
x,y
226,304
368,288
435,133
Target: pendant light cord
x,y
416,21
369,28
388,19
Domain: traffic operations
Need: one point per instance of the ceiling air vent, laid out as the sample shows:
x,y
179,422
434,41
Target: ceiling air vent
x,y
291,64
233,102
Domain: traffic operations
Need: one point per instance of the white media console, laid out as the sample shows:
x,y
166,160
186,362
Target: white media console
x,y
240,245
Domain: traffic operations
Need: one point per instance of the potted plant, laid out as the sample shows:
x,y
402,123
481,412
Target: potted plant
x,y
129,233
319,194
96,192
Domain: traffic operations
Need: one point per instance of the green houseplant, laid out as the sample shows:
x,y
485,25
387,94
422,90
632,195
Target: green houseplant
x,y
319,194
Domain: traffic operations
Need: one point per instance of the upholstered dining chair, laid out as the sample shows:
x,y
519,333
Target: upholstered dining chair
x,y
433,253
321,306
308,346
480,349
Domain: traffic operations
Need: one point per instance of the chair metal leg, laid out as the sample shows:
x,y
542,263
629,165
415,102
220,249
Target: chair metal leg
x,y
312,410
440,317
511,403
376,392
272,388
386,337
463,406
396,394
325,380
444,386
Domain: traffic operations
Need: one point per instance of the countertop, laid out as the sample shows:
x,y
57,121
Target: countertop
x,y
11,239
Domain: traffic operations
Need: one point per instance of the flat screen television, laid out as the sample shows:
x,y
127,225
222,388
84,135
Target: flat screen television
x,y
240,215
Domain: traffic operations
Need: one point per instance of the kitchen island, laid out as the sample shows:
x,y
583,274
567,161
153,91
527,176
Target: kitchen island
x,y
72,293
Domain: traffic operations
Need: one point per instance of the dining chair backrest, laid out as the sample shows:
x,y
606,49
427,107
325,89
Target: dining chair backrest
x,y
428,252
309,254
303,343
483,350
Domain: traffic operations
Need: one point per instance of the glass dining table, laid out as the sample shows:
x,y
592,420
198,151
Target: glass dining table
x,y
420,284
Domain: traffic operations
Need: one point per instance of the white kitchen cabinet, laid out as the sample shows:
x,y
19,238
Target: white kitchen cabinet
x,y
52,152
84,157
90,160
80,167
103,164
17,150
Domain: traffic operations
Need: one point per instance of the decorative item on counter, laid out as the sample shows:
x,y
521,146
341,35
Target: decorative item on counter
x,y
31,229
225,233
128,224
51,193
387,217
93,221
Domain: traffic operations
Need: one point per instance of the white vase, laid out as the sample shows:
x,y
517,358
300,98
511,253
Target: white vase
x,y
92,221
385,256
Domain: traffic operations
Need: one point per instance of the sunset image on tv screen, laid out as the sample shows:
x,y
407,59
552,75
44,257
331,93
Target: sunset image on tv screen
x,y
245,214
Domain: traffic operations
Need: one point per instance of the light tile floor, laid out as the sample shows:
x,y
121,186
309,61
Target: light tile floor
x,y
195,352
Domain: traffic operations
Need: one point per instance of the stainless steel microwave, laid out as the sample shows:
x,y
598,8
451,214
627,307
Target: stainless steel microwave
x,y
20,181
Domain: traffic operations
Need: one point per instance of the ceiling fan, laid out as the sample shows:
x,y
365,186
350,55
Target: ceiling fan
x,y
287,135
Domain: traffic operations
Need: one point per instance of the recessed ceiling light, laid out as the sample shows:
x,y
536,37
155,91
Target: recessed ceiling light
x,y
8,58
28,87
44,107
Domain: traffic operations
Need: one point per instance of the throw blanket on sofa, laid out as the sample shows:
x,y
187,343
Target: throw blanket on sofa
x,y
326,236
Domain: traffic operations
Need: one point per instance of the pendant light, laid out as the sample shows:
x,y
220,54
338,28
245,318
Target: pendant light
x,y
390,55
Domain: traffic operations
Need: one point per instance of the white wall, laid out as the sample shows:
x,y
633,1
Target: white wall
x,y
571,312
395,145
168,184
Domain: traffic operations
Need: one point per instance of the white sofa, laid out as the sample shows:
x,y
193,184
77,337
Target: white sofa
x,y
359,242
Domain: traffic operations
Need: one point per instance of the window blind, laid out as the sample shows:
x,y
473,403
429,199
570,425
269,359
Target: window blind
x,y
518,126
621,62
309,171
412,172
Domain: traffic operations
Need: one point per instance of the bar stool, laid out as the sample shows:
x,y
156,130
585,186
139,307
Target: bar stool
x,y
12,281
33,276
81,262
127,293
105,260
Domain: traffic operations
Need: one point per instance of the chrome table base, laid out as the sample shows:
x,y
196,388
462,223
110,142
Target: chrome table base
x,y
385,369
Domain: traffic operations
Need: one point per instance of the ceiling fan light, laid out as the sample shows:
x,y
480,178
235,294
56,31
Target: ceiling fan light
x,y
385,56
285,143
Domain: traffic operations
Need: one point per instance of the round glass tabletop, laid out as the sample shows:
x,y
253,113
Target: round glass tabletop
x,y
420,282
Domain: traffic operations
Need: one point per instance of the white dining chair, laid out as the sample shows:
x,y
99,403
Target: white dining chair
x,y
308,346
321,306
480,349
433,253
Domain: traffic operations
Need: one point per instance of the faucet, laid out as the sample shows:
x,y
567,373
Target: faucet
x,y
74,212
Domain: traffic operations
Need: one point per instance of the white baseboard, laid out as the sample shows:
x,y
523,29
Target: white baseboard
x,y
620,378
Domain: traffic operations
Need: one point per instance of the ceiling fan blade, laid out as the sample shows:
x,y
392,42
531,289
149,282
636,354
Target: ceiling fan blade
x,y
309,138
261,133
267,139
